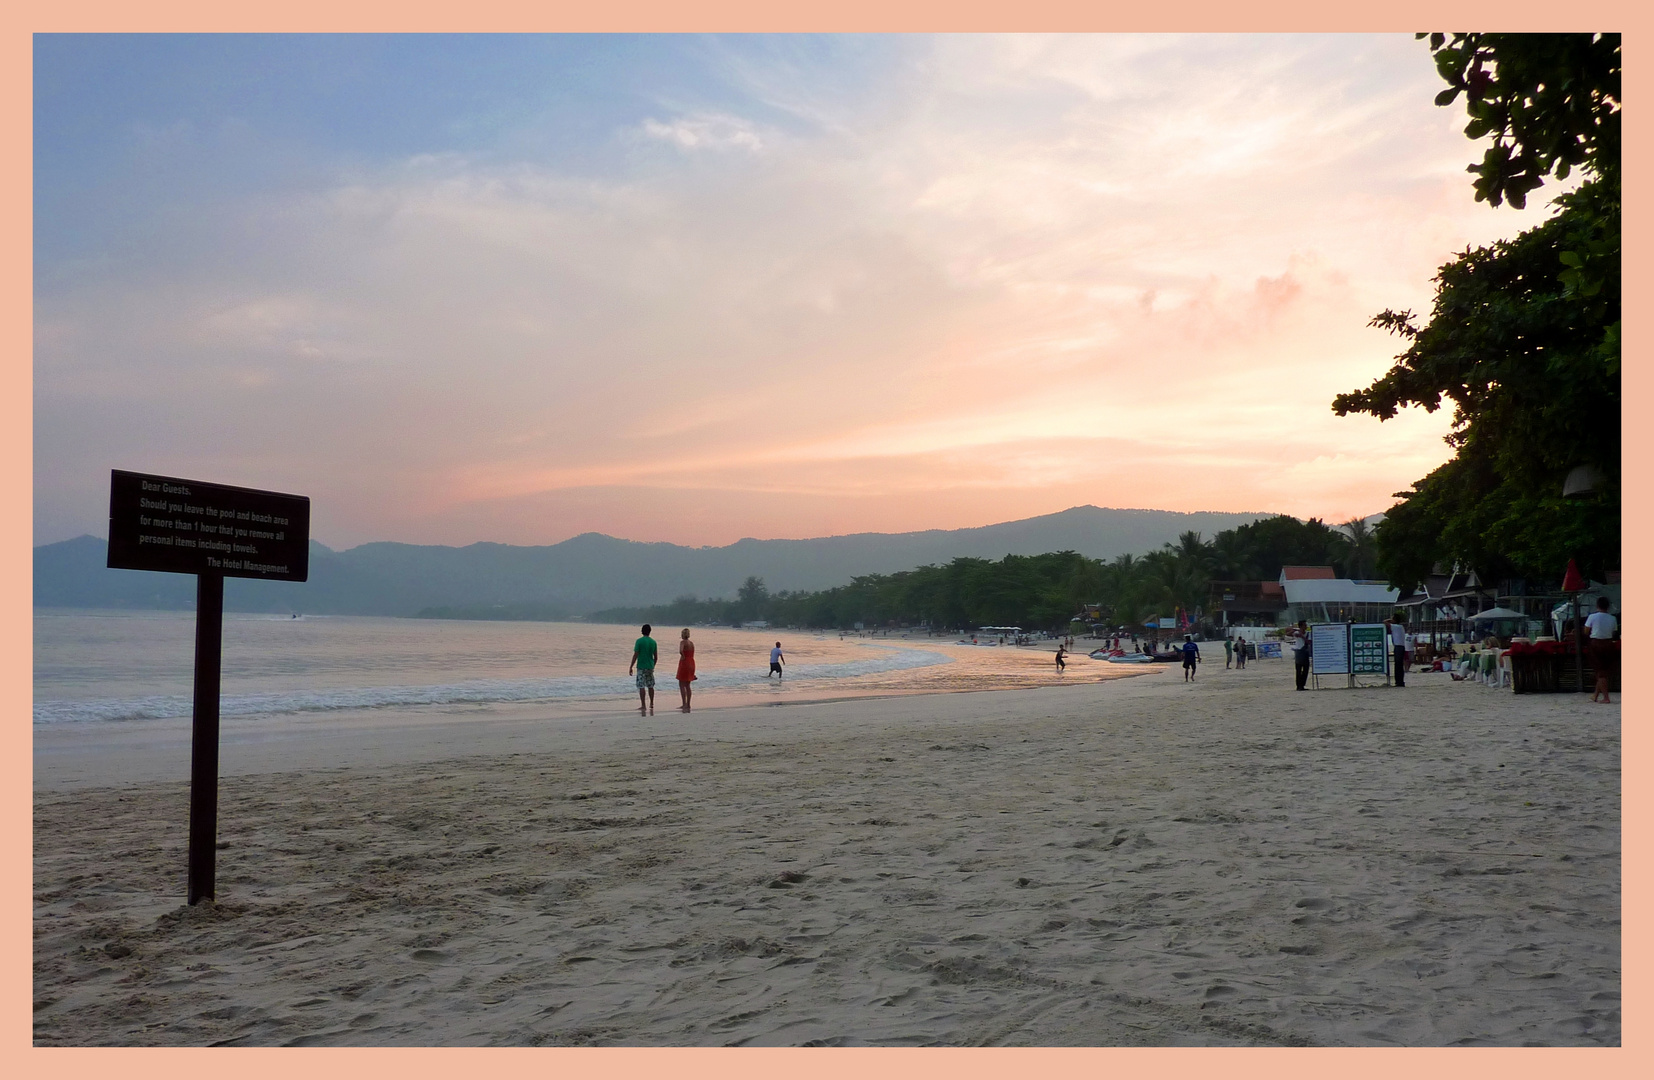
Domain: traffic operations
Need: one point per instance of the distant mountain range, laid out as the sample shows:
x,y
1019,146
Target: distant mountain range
x,y
592,571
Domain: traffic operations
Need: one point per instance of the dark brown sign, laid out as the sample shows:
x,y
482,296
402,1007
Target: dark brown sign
x,y
188,527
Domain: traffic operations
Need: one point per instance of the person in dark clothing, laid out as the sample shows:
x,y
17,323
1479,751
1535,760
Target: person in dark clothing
x,y
1396,630
1191,657
1300,653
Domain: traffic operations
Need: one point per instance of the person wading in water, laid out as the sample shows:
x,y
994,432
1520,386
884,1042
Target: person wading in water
x,y
686,667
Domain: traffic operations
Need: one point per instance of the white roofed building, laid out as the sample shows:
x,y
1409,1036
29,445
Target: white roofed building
x,y
1314,595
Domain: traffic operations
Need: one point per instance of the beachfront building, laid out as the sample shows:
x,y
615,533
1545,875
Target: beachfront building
x,y
1246,603
1316,595
1312,593
1442,602
1446,604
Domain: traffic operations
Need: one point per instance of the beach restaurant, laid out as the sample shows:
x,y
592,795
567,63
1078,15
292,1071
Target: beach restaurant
x,y
1457,606
1247,603
1516,637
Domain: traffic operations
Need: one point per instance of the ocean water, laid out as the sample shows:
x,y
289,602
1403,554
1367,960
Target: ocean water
x,y
136,666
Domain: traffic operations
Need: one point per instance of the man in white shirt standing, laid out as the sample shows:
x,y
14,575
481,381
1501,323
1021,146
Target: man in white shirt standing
x,y
1301,653
1396,627
1604,629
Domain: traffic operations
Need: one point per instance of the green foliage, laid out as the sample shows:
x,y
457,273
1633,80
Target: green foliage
x,y
1465,511
1523,338
750,599
1551,102
1524,363
1256,552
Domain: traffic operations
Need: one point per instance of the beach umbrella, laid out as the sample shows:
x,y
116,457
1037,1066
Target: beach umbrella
x,y
1574,583
1497,613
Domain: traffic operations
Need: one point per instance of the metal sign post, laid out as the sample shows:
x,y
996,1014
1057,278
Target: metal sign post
x,y
209,649
212,531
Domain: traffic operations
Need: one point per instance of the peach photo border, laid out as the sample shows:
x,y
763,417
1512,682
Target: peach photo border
x,y
17,1053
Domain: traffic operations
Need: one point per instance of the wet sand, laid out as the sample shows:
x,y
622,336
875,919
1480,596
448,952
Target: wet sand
x,y
1132,862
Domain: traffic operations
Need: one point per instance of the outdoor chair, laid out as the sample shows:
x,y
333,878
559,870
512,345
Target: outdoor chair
x,y
1492,670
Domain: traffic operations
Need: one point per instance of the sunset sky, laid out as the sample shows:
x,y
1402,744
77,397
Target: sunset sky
x,y
694,289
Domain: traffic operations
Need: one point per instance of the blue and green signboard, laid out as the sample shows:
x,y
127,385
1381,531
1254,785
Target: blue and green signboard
x,y
1369,649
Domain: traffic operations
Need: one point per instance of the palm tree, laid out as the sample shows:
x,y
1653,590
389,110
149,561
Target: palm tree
x,y
1360,548
1230,556
1192,550
1191,579
1190,587
1154,583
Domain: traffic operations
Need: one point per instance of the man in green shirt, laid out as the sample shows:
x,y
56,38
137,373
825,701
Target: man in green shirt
x,y
644,654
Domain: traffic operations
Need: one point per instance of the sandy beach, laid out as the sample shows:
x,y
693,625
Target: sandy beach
x,y
1138,861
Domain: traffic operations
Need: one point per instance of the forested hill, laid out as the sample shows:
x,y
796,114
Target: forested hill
x,y
594,571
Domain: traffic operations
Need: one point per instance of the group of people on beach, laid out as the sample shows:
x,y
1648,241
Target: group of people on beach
x,y
1395,632
646,654
1601,625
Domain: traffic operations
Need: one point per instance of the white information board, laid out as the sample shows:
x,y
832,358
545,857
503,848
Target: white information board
x,y
1330,644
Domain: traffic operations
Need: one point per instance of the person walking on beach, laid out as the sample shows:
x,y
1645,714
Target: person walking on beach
x,y
1191,657
776,660
1396,628
1061,663
1240,652
644,654
686,666
1301,652
1604,629
1228,652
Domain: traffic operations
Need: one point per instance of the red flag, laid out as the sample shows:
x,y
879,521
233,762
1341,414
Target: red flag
x,y
1572,581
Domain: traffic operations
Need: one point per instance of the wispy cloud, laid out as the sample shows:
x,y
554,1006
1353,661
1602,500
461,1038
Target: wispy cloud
x,y
707,131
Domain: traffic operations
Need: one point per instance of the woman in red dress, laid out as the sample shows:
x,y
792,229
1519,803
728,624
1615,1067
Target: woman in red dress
x,y
686,666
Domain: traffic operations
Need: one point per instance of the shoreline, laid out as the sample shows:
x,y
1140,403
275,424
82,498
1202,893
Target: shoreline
x,y
92,754
280,670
